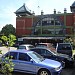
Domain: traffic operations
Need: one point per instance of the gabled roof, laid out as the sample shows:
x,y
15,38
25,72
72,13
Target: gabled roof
x,y
23,10
72,7
73,4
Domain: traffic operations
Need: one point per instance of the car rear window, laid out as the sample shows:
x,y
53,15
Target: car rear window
x,y
22,47
64,47
31,47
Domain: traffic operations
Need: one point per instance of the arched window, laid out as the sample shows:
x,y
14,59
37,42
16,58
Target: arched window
x,y
48,21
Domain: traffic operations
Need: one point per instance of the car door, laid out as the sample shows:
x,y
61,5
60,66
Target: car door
x,y
25,64
13,56
47,54
51,55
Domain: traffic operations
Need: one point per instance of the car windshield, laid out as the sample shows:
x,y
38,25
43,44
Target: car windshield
x,y
41,45
53,52
35,56
31,47
64,47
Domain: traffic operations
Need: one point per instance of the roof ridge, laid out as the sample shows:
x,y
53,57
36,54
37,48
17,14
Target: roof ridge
x,y
23,10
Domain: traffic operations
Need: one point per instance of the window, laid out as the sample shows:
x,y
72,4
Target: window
x,y
22,47
38,51
24,57
43,52
49,21
11,54
48,53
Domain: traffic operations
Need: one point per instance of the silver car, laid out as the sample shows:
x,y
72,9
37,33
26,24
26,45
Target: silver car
x,y
25,46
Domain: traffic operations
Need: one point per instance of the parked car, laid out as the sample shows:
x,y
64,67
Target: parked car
x,y
25,46
47,53
64,48
46,45
31,62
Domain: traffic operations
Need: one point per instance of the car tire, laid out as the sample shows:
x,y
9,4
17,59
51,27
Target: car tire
x,y
44,72
74,57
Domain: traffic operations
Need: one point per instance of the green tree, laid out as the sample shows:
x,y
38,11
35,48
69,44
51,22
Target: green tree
x,y
6,65
8,41
11,39
8,29
70,40
4,39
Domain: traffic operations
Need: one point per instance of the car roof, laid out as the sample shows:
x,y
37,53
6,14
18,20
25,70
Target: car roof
x,y
64,43
20,50
40,48
26,45
43,43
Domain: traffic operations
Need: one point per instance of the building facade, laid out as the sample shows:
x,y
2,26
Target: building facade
x,y
56,25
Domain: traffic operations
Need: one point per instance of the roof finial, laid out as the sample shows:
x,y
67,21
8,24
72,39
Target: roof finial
x,y
23,3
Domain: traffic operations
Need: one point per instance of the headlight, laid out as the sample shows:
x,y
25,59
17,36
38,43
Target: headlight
x,y
70,59
58,68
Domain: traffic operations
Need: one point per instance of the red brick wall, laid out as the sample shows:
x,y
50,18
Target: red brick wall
x,y
21,26
69,20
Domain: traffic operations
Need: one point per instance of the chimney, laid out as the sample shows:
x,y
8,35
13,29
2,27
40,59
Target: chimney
x,y
33,13
65,11
54,11
42,12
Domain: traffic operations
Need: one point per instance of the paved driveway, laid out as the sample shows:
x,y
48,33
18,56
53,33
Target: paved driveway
x,y
5,49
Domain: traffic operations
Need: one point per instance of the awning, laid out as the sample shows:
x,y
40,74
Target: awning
x,y
21,39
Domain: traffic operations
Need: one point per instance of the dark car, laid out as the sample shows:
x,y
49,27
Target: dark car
x,y
47,53
64,48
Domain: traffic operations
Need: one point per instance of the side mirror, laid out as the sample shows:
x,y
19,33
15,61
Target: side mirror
x,y
31,60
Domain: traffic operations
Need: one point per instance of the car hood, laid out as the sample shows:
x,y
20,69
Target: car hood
x,y
63,55
51,63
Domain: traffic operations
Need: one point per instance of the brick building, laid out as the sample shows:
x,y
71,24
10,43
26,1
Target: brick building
x,y
45,26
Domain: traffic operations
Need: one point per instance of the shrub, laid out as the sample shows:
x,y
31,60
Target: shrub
x,y
6,66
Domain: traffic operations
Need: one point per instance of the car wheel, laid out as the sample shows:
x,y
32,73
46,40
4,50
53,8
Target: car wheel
x,y
44,72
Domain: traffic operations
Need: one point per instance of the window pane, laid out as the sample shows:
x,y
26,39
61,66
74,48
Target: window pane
x,y
12,55
24,57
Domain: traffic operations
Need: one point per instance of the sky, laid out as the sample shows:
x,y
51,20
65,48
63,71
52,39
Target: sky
x,y
8,7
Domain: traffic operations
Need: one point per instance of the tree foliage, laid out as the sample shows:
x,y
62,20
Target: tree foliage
x,y
7,66
4,38
11,39
8,29
8,41
70,40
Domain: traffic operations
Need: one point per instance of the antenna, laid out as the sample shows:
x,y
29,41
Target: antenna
x,y
38,7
